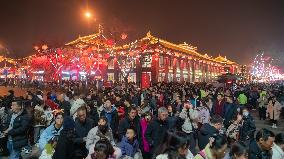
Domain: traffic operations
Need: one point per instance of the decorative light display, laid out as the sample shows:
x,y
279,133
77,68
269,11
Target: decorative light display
x,y
90,55
263,70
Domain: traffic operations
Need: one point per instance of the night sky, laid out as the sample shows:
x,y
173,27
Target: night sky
x,y
237,29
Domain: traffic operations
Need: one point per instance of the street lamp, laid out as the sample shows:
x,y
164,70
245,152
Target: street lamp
x,y
88,14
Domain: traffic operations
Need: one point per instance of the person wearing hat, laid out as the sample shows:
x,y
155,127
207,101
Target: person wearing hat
x,y
65,146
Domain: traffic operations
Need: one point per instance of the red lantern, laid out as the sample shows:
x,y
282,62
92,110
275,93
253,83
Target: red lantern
x,y
89,50
123,36
110,42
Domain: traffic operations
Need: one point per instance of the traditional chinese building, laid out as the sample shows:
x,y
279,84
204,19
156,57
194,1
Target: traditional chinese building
x,y
154,59
143,61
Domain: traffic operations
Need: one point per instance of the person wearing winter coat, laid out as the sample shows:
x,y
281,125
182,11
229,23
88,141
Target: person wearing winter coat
x,y
111,114
50,102
65,148
218,106
233,131
39,121
172,118
144,122
274,111
278,147
17,126
208,129
129,145
190,117
248,127
262,103
63,104
261,146
102,131
131,120
51,131
203,113
230,110
157,129
82,127
215,149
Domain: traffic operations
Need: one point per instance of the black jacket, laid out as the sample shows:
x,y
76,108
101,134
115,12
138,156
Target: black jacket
x,y
206,131
248,128
20,128
126,123
66,106
155,133
81,131
7,101
65,148
255,152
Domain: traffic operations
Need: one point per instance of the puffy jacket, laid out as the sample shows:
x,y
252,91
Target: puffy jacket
x,y
95,135
48,134
19,130
127,148
206,131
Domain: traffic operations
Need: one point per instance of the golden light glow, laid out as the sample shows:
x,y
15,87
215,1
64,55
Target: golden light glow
x,y
88,15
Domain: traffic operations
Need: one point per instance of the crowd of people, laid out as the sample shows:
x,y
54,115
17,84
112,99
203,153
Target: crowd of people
x,y
164,121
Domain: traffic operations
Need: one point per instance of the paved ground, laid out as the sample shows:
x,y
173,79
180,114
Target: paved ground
x,y
18,91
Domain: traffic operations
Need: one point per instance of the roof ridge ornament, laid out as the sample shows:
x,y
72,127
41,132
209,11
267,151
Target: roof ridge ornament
x,y
148,34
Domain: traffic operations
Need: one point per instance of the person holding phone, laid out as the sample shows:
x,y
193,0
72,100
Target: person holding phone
x,y
190,116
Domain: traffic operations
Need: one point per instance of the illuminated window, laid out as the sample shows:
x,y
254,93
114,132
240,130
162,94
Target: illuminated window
x,y
147,61
161,61
111,64
110,76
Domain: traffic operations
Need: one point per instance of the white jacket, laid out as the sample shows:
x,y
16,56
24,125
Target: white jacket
x,y
188,125
278,153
